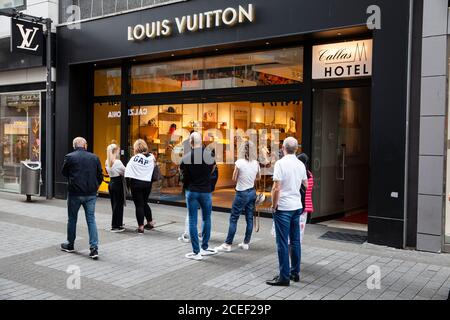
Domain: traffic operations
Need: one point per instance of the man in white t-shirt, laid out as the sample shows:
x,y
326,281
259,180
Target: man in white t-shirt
x,y
289,175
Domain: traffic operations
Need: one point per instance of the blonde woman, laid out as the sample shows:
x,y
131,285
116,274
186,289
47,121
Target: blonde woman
x,y
139,171
116,171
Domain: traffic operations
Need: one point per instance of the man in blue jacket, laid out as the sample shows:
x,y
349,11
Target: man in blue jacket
x,y
84,173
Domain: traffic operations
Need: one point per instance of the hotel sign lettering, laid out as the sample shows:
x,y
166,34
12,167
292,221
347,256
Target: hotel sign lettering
x,y
343,60
229,17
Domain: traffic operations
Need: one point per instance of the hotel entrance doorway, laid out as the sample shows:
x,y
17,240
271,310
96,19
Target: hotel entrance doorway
x,y
341,156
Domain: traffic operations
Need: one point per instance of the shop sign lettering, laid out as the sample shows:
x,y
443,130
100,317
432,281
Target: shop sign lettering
x,y
351,59
131,113
228,17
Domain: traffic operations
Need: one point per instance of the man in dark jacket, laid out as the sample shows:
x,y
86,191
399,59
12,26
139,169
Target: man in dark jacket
x,y
197,167
84,173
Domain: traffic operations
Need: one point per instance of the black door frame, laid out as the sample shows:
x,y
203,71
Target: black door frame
x,y
339,84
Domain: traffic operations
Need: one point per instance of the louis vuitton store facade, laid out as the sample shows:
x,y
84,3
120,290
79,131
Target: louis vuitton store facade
x,y
308,69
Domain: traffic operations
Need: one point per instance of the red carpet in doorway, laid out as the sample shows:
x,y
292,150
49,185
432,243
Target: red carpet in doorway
x,y
361,218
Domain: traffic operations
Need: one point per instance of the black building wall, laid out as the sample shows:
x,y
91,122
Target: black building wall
x,y
106,39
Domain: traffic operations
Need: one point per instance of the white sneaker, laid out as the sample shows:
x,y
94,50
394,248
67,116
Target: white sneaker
x,y
193,256
223,248
184,238
208,252
244,246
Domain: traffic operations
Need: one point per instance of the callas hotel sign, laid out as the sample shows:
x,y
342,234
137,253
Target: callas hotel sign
x,y
351,59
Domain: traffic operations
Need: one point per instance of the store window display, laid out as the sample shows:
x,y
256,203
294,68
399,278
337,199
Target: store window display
x,y
20,126
224,127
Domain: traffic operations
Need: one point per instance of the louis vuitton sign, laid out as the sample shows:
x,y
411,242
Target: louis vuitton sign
x,y
27,37
214,19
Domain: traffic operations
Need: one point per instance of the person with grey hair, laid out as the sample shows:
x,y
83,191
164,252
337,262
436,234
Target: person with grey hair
x,y
84,173
289,175
197,168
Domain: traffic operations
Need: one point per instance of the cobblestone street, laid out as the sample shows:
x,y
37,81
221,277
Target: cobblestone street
x,y
153,266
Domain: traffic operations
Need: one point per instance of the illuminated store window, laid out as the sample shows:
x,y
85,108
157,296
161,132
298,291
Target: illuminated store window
x,y
174,76
264,68
106,131
166,129
107,82
20,132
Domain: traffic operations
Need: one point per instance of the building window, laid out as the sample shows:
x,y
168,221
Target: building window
x,y
90,9
263,68
107,82
20,125
17,4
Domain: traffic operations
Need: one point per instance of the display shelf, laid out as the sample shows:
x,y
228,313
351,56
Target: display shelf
x,y
169,115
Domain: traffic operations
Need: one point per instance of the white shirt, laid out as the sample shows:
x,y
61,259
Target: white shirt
x,y
248,170
291,173
140,167
117,170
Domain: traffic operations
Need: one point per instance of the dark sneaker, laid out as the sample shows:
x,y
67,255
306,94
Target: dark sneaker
x,y
94,254
118,230
67,248
139,231
149,227
295,277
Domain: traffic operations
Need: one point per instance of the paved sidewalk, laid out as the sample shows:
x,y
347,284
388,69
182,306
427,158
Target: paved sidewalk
x,y
153,266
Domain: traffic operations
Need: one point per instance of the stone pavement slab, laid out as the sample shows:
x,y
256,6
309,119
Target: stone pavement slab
x,y
153,266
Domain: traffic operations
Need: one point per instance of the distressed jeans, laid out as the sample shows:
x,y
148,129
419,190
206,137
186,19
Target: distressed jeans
x,y
244,203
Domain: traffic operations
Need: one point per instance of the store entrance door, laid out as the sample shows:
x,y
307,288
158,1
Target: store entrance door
x,y
341,155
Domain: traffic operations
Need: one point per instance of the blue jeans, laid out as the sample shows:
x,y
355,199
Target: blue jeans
x,y
73,205
244,203
287,226
194,200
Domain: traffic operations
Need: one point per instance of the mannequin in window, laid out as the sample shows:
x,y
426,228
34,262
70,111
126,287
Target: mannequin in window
x,y
292,126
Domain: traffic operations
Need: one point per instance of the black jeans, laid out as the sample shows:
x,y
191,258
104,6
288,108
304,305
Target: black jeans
x,y
116,194
140,191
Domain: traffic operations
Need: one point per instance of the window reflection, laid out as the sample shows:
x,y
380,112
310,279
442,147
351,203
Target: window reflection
x,y
107,82
107,118
264,68
20,140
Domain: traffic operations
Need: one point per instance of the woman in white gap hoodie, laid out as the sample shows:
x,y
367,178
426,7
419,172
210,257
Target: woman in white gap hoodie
x,y
139,171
